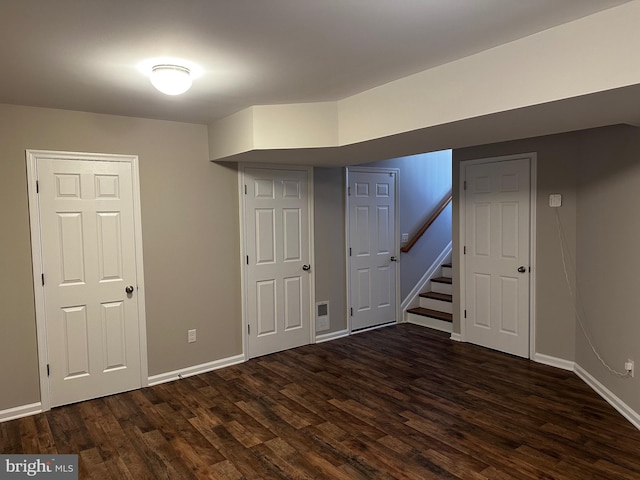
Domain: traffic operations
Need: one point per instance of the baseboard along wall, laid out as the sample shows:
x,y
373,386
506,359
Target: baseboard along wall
x,y
20,411
327,337
624,409
195,370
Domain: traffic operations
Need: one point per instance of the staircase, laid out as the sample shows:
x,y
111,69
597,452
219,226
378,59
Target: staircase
x,y
435,310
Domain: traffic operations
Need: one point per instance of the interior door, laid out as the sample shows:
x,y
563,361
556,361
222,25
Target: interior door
x,y
278,268
497,229
372,248
89,276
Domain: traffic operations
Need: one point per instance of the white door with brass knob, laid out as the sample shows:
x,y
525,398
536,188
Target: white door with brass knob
x,y
89,273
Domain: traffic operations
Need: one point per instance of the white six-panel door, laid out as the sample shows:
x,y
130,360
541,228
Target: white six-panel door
x,y
497,259
372,249
277,245
88,259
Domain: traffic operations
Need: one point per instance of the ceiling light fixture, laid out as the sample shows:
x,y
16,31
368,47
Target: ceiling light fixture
x,y
171,79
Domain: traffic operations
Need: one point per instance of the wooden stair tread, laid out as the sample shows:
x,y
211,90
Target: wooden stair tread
x,y
427,312
443,280
437,296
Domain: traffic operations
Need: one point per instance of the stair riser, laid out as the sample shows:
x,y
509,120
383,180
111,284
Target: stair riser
x,y
447,272
441,288
439,305
430,322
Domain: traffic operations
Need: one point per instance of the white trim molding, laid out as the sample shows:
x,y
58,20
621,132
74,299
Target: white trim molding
x,y
428,275
375,327
327,337
19,412
195,370
625,410
456,337
554,362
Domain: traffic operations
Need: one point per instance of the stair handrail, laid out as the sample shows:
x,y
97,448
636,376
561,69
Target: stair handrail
x,y
427,224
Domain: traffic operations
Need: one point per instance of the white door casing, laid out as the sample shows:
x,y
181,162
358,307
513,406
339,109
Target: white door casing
x,y
372,247
278,274
496,228
85,218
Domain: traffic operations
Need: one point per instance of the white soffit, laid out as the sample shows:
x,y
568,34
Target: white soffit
x,y
565,71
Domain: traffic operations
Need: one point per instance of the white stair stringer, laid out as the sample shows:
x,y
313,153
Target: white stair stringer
x,y
412,299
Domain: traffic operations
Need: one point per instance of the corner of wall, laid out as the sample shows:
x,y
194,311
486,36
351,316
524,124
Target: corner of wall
x,y
232,135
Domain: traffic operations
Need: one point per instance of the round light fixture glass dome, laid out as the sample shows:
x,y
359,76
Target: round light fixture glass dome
x,y
171,79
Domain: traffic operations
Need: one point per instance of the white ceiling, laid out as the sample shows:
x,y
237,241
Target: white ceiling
x,y
83,54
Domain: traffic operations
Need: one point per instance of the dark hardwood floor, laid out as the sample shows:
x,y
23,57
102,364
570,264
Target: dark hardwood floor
x,y
400,402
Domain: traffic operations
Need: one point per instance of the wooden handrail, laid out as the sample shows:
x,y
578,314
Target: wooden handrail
x,y
427,224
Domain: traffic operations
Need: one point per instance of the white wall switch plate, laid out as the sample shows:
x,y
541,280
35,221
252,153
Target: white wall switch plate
x,y
405,237
555,200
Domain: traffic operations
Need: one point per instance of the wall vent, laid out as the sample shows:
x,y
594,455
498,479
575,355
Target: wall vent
x,y
322,316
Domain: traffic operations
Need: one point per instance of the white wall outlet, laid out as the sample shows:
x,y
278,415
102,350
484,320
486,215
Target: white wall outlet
x,y
555,200
628,366
405,237
191,336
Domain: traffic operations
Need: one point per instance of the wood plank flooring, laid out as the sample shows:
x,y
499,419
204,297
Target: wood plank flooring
x,y
402,402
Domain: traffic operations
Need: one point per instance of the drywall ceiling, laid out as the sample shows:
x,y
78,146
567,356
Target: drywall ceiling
x,y
84,54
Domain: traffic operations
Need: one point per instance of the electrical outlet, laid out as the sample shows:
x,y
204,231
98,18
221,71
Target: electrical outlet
x,y
191,336
628,366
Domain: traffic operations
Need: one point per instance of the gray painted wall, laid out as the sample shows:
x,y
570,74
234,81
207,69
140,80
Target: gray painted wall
x,y
598,173
608,256
330,254
190,238
191,241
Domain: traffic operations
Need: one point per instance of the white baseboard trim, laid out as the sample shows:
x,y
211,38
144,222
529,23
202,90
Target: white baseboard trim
x,y
554,362
19,412
327,337
625,410
429,322
428,275
195,370
375,327
456,337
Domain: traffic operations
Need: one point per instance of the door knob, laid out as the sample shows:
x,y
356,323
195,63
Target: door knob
x,y
129,289
306,268
394,259
522,269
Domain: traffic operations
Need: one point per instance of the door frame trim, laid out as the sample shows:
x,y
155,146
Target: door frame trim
x,y
533,181
243,247
32,157
396,235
